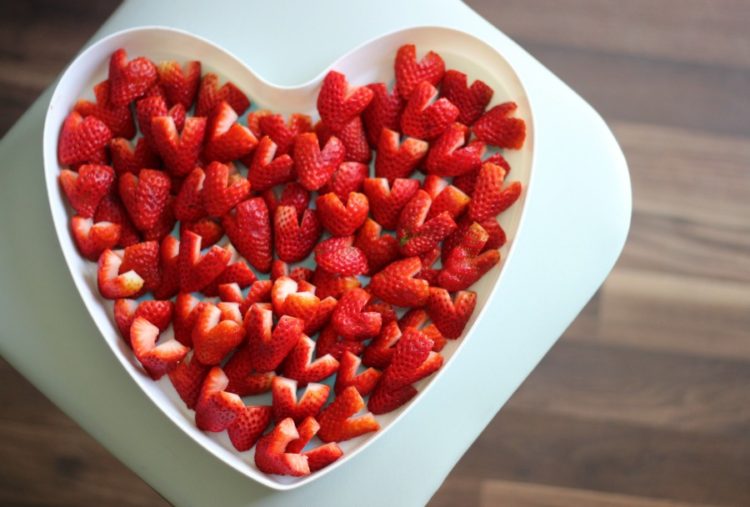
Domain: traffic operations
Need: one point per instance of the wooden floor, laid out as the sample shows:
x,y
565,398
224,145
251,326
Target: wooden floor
x,y
645,400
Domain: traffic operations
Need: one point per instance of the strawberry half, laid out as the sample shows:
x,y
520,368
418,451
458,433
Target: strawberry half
x,y
187,310
394,160
337,420
294,239
351,321
384,111
379,352
248,426
268,349
450,155
450,315
157,360
315,166
243,381
330,342
178,150
249,230
464,264
445,198
410,72
196,270
86,188
91,238
119,119
159,313
271,456
227,140
111,209
169,255
210,95
498,128
353,137
187,379
268,167
223,188
112,284
338,102
347,178
347,375
387,200
416,233
425,119
216,409
470,100
143,258
339,257
395,284
180,82
300,366
289,298
379,249
283,133
152,107
214,336
145,196
490,196
126,159
286,404
83,140
129,80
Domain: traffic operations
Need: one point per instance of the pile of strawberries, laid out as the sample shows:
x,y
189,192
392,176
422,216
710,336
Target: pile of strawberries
x,y
375,298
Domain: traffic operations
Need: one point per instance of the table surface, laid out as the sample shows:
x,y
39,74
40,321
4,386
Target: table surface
x,y
651,379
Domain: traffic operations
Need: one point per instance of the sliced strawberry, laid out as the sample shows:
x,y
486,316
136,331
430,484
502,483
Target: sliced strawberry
x,y
91,238
223,189
411,352
210,95
410,72
342,219
271,456
237,273
253,121
423,119
207,228
157,360
379,249
307,430
187,379
498,128
347,375
352,135
125,159
119,119
283,133
270,348
143,258
329,284
214,337
196,270
339,257
129,80
145,196
384,111
396,284
83,140
294,239
180,83
178,149
450,199
86,188
321,317
386,202
489,233
269,168
337,420
417,234
300,366
164,224
418,318
187,310
322,456
288,298
158,313
286,404
216,409
338,102
330,342
450,155
152,107
113,285
394,160
315,166
350,321
293,194
347,178
471,101
248,426
497,237
111,209
386,311
243,381
259,292
490,196
379,352
464,264
169,255
227,140
382,401
249,230
450,315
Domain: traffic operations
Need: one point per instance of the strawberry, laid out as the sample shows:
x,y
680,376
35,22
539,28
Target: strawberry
x,y
169,266
490,197
284,134
450,155
187,379
386,311
382,401
329,284
339,257
216,409
322,456
347,376
337,421
207,228
450,315
125,159
113,285
289,298
417,318
213,336
386,202
429,258
145,196
259,292
489,232
293,194
338,102
164,224
379,352
158,313
496,234
315,166
470,100
196,270
230,292
227,140
395,284
83,140
286,404
498,128
379,249
412,351
307,430
464,264
270,348
425,119
243,381
410,72
157,360
209,95
294,238
350,321
248,426
110,209
91,238
86,188
129,80
180,83
238,272
342,219
253,121
119,119
269,168
149,108
449,198
271,456
178,150
330,342
352,135
347,178
398,161
300,366
186,311
249,230
322,315
223,188
384,111
143,258
417,234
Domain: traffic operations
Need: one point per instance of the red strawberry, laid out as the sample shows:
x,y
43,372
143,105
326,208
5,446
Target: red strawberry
x,y
230,292
243,381
330,342
293,194
322,315
113,285
352,135
237,272
498,128
306,429
396,284
329,284
471,101
294,238
253,121
386,311
145,196
489,233
196,270
450,316
86,188
170,268
186,311
379,352
119,119
322,456
125,159
249,230
428,259
157,360
338,102
496,234
270,348
216,409
315,166
417,234
342,219
187,379
300,366
271,456
283,133
490,197
464,264
248,426
425,119
450,155
411,352
223,189
347,178
164,224
410,72
110,209
214,337
143,258
379,249
289,298
266,168
398,161
449,199
152,107
129,80
180,83
285,403
227,140
384,111
382,401
337,421
83,140
91,238
209,95
179,151
417,318
207,228
259,292
350,321
339,257
386,203
158,313
347,376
